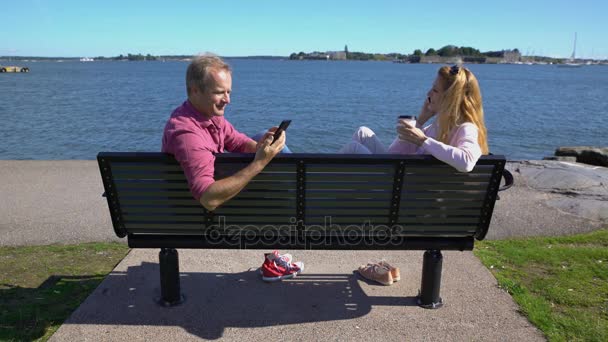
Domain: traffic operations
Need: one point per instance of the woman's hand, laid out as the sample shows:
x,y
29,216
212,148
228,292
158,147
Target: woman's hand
x,y
410,133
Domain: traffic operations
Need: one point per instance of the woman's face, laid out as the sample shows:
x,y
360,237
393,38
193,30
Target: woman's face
x,y
434,95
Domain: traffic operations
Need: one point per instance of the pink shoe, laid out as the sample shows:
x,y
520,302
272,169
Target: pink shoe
x,y
376,273
277,267
395,273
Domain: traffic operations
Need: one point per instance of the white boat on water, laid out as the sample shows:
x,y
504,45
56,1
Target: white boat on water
x,y
569,65
571,61
87,59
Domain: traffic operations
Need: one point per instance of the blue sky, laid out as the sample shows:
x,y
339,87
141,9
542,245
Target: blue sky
x,y
272,27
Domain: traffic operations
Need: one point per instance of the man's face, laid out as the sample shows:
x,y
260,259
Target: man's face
x,y
216,96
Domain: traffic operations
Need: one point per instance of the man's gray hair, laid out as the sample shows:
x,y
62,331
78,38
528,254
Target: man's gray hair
x,y
196,76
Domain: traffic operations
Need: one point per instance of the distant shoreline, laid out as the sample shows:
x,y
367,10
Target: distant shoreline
x,y
5,60
158,58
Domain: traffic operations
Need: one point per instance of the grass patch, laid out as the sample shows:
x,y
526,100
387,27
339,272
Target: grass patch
x,y
40,286
560,283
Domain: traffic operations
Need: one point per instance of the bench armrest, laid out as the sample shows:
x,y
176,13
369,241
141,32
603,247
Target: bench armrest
x,y
508,176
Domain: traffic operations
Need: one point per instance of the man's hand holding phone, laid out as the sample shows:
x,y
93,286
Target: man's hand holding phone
x,y
282,127
272,143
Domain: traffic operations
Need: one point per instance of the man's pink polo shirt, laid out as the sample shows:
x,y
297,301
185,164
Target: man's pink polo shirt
x,y
192,139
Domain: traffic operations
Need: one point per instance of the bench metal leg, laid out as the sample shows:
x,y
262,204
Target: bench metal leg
x,y
431,280
169,277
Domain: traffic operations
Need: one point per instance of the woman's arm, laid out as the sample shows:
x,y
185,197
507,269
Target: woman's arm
x,y
463,151
410,138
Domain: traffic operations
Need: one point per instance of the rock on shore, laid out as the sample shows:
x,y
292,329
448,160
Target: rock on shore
x,y
585,154
551,198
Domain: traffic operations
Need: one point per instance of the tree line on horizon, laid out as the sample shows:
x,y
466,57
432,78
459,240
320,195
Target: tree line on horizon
x,y
453,51
446,51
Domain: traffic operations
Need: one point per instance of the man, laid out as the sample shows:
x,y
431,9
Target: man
x,y
197,129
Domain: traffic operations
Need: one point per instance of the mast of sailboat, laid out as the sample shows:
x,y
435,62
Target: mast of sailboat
x,y
574,49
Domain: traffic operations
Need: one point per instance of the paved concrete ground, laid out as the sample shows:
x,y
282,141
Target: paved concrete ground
x,y
45,202
225,298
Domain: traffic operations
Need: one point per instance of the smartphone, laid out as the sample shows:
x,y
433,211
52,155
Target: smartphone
x,y
283,126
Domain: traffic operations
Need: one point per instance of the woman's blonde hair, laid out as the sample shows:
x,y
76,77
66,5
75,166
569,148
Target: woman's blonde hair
x,y
461,102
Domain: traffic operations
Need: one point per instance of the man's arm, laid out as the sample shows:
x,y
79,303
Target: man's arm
x,y
224,189
251,146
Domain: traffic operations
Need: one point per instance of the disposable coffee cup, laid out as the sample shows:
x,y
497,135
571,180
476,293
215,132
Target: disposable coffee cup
x,y
410,119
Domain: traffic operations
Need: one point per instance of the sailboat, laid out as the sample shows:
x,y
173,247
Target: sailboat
x,y
571,61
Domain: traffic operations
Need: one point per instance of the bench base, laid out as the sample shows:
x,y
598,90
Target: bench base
x,y
169,278
428,295
432,263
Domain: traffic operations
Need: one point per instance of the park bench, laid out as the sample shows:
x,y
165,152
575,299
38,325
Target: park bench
x,y
306,201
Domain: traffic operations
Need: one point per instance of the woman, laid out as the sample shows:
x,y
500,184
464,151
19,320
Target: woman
x,y
458,136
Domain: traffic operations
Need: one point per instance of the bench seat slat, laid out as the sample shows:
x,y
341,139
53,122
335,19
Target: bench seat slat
x,y
446,169
199,218
446,201
271,187
289,211
472,220
149,193
268,177
310,195
317,194
338,177
130,218
348,169
336,211
350,186
472,195
165,225
145,167
196,234
451,212
452,228
260,203
126,210
190,202
446,187
249,195
149,176
228,169
346,220
343,204
425,178
154,185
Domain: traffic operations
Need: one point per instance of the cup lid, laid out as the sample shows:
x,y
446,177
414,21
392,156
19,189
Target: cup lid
x,y
410,117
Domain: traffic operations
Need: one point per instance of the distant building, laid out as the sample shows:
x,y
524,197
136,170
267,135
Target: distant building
x,y
441,60
511,56
337,55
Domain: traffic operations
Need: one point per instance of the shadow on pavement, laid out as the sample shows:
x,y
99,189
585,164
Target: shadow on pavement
x,y
215,301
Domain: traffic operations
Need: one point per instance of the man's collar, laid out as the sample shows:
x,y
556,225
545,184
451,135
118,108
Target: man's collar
x,y
217,121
